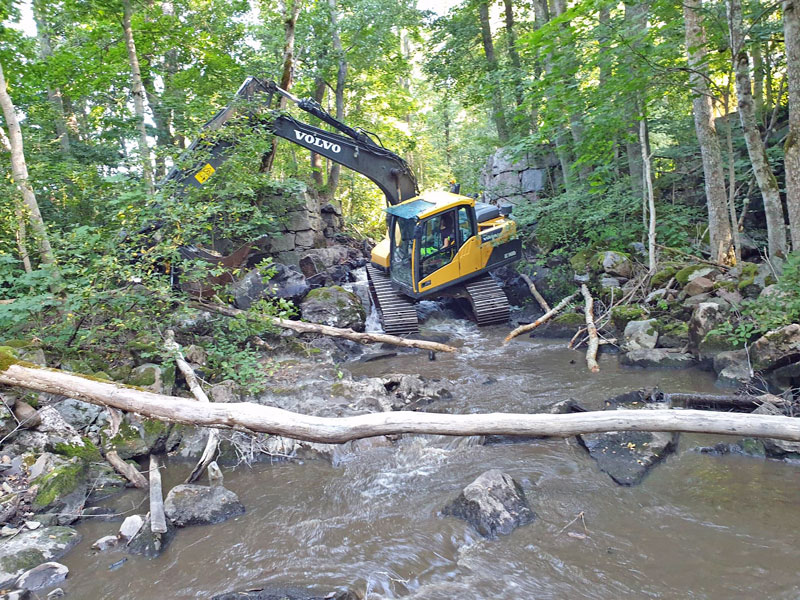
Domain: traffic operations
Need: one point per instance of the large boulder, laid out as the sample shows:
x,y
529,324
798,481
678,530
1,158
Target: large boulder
x,y
288,283
334,306
615,263
30,549
627,456
494,504
776,347
641,334
189,504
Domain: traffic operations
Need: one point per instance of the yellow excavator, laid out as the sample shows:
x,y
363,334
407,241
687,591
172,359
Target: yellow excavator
x,y
438,243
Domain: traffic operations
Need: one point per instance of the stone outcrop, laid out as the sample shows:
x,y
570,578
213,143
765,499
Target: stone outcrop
x,y
493,504
505,180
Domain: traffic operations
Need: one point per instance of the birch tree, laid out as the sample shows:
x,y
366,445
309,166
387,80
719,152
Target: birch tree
x,y
719,226
498,114
791,149
19,171
767,184
138,93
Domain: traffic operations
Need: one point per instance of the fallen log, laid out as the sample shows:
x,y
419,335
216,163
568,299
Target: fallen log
x,y
197,391
348,334
591,349
249,417
535,293
543,319
127,470
158,520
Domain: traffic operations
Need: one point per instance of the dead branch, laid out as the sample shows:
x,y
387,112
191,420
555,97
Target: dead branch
x,y
158,520
127,470
197,391
591,349
693,257
246,416
535,293
543,319
349,334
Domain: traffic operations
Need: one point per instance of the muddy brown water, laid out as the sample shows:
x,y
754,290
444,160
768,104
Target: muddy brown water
x,y
699,526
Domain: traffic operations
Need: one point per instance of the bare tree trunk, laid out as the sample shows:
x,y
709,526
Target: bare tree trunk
x,y
19,216
591,350
758,81
53,93
138,93
498,114
651,201
719,225
250,417
773,208
290,9
19,171
562,148
737,244
513,53
791,148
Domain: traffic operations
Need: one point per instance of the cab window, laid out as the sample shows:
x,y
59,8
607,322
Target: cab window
x,y
466,226
439,242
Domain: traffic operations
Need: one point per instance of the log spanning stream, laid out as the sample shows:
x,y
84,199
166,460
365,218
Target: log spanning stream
x,y
698,526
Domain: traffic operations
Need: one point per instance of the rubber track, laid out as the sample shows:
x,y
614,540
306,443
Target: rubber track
x,y
398,313
489,302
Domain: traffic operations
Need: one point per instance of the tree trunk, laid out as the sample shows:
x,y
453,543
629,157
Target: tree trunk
x,y
289,11
158,520
53,93
737,244
791,148
651,201
250,417
773,208
19,171
635,24
498,114
588,311
513,53
341,79
19,216
758,81
138,93
719,225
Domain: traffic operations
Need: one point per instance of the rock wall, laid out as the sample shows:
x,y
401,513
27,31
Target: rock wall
x,y
507,181
303,228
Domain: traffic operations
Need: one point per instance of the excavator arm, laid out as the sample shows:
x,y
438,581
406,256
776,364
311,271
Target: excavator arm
x,y
351,148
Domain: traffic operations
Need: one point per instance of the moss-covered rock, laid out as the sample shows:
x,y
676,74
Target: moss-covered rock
x,y
580,261
29,549
128,443
334,306
621,315
714,343
144,350
570,318
674,334
55,486
660,278
87,452
686,274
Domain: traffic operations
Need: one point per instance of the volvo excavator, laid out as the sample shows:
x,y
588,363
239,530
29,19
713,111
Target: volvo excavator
x,y
438,243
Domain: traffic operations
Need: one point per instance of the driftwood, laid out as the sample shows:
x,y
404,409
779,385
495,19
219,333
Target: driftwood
x,y
591,349
348,334
127,470
249,417
535,293
543,319
158,520
197,391
724,402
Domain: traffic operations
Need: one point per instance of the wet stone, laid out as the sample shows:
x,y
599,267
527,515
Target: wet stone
x,y
627,456
148,544
32,548
189,504
43,576
286,593
493,504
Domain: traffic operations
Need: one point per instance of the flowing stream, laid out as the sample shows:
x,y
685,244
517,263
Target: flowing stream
x,y
699,526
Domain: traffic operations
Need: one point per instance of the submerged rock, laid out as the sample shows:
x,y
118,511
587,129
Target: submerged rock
x,y
286,593
149,544
627,456
657,357
493,504
32,548
189,504
43,576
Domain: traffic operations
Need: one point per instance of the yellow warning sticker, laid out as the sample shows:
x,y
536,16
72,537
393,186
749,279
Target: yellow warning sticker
x,y
204,173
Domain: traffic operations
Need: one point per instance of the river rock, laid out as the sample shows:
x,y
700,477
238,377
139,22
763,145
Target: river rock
x,y
732,368
78,414
131,526
43,576
699,285
32,548
412,391
27,416
493,504
286,593
776,346
627,456
705,317
148,544
334,306
641,334
189,504
616,264
657,357
106,542
62,492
